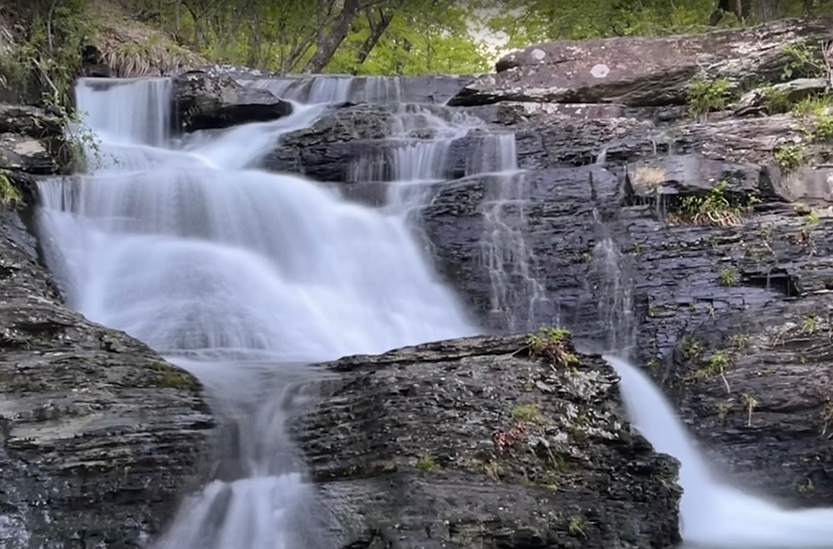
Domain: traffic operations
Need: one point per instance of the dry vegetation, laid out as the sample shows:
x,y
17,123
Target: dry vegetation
x,y
131,48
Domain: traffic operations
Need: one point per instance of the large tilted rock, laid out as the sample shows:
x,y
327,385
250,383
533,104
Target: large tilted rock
x,y
474,443
209,101
99,437
640,71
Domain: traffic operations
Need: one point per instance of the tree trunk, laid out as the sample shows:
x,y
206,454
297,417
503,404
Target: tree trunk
x,y
377,30
329,42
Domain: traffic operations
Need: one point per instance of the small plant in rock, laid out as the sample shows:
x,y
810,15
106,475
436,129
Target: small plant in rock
x,y
816,105
649,177
740,341
750,404
804,62
775,100
729,277
691,349
723,410
822,129
810,324
805,235
553,344
806,486
9,193
705,96
427,463
715,208
577,526
528,413
506,440
492,470
791,157
717,366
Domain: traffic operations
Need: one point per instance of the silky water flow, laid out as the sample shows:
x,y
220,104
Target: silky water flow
x,y
713,515
240,276
243,277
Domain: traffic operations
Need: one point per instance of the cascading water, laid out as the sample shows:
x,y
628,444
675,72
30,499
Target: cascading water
x,y
237,275
517,294
713,515
240,275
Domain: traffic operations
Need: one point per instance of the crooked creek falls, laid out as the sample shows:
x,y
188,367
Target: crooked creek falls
x,y
243,277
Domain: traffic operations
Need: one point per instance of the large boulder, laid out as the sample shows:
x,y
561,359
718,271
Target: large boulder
x,y
641,71
482,442
99,436
210,101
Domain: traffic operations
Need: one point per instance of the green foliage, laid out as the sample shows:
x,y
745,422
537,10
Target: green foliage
x,y
9,193
48,57
553,344
427,463
174,378
791,157
729,277
805,61
815,105
577,526
391,37
533,21
716,207
706,96
528,413
775,100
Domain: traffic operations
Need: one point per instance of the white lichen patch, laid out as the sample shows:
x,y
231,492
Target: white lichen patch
x,y
600,70
538,54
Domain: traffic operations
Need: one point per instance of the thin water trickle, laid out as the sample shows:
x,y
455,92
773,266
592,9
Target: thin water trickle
x,y
518,297
225,269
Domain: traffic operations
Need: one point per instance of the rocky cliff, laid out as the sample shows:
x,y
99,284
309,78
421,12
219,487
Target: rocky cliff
x,y
486,442
683,178
99,436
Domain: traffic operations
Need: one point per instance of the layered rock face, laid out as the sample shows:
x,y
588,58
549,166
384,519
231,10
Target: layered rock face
x,y
210,101
486,442
677,207
99,436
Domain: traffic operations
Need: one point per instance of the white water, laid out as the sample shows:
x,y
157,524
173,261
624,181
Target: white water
x,y
234,274
517,295
714,515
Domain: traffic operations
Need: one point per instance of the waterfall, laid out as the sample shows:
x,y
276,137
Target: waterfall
x,y
517,295
713,515
243,277
237,275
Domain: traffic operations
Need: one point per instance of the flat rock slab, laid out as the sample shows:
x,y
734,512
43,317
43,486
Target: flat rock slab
x,y
474,443
639,71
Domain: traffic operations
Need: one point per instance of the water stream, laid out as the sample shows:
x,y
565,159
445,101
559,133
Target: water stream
x,y
713,515
242,277
236,275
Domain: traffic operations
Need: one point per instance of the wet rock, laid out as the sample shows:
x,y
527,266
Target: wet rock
x,y
352,137
205,101
778,97
31,141
520,451
641,71
435,89
99,437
